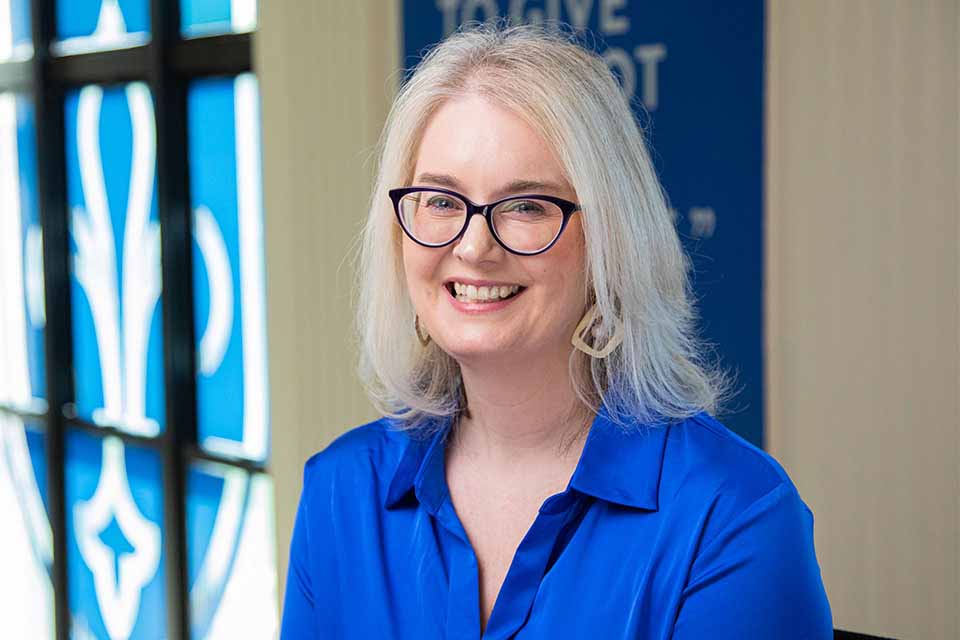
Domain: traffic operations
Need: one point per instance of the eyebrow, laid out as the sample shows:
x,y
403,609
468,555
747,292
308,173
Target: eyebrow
x,y
514,186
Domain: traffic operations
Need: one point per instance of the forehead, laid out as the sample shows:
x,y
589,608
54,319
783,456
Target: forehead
x,y
484,146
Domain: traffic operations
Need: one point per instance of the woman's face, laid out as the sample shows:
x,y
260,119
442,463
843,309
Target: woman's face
x,y
484,151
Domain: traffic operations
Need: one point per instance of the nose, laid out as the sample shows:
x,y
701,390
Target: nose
x,y
477,243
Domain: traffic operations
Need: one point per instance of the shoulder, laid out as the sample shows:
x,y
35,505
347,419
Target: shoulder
x,y
708,467
714,453
751,537
363,455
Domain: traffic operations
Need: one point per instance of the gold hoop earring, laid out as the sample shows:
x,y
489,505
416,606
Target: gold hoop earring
x,y
586,328
423,338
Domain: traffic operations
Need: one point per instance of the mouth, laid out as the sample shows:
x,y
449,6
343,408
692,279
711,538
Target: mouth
x,y
482,294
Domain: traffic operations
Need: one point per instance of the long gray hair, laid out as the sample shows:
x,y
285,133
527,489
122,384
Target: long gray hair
x,y
636,268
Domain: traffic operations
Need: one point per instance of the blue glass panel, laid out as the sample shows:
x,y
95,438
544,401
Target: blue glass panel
x,y
115,257
26,549
15,38
230,553
225,181
115,558
22,315
98,25
37,448
212,17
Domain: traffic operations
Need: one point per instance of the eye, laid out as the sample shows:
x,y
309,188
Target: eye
x,y
443,203
524,206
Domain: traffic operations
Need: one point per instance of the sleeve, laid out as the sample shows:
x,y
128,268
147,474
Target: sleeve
x,y
758,577
299,620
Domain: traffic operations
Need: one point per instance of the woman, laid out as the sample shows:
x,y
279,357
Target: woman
x,y
548,467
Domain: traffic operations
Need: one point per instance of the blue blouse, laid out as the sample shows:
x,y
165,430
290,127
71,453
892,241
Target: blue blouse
x,y
684,531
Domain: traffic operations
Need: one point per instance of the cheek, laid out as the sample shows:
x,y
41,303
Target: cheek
x,y
419,266
561,296
578,263
567,268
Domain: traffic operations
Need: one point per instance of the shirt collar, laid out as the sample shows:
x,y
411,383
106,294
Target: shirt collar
x,y
619,464
421,468
622,463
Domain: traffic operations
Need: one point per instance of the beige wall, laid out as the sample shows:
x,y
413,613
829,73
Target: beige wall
x,y
863,306
862,299
326,74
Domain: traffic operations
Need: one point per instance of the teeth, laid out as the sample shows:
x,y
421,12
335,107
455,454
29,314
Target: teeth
x,y
472,293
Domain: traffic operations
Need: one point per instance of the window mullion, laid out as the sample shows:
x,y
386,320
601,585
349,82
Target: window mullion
x,y
169,91
52,203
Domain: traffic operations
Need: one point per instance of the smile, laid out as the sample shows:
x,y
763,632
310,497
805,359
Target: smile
x,y
482,294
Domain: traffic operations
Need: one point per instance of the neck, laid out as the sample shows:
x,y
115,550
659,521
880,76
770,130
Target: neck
x,y
521,414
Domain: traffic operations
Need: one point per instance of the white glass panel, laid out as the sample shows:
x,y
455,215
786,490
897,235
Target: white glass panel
x,y
15,38
231,560
26,541
22,314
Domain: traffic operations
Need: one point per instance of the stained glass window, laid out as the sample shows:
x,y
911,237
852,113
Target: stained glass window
x,y
225,179
22,316
115,539
115,257
230,553
15,42
209,17
26,545
84,26
87,417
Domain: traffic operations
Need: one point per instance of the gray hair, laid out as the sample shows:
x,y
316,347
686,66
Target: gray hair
x,y
636,268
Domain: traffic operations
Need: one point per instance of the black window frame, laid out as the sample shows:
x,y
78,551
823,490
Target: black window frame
x,y
168,63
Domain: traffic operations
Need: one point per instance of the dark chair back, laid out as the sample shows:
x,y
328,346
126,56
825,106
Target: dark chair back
x,y
839,634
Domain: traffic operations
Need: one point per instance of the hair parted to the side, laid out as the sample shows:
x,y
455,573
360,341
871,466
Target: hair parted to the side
x,y
636,268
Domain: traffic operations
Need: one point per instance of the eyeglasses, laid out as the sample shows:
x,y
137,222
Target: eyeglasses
x,y
523,225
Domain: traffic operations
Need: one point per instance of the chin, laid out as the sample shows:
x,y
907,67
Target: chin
x,y
471,351
474,353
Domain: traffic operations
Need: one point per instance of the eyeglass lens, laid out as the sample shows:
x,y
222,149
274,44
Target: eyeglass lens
x,y
523,224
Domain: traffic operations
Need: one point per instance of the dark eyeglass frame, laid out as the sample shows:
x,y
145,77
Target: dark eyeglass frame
x,y
486,210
